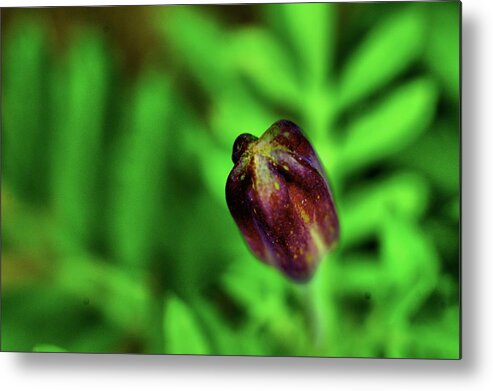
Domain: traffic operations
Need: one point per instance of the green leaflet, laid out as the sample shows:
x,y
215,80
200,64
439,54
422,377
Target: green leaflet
x,y
47,348
437,342
363,211
442,49
55,315
122,297
182,333
23,118
192,33
259,56
79,95
409,259
231,115
249,284
387,51
309,28
441,168
361,275
137,169
392,125
410,266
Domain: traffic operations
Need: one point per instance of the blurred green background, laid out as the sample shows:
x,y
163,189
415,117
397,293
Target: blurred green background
x,y
117,129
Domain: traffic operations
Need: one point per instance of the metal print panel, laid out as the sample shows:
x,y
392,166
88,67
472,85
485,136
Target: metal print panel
x,y
268,180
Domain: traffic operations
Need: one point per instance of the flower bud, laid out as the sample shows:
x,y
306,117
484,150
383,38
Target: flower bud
x,y
279,198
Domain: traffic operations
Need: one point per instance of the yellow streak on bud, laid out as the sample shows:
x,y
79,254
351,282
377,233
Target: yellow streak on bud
x,y
304,216
318,240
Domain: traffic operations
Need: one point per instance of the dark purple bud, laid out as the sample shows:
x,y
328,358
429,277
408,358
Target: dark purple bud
x,y
278,195
242,142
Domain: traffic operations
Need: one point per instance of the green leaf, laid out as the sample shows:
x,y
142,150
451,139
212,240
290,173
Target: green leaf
x,y
197,38
224,339
442,50
388,50
79,101
439,339
360,274
137,172
442,168
24,140
47,348
121,296
392,125
363,211
263,294
309,28
249,281
182,333
408,256
410,263
257,54
237,111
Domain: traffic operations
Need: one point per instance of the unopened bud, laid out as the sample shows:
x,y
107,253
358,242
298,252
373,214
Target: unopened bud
x,y
280,199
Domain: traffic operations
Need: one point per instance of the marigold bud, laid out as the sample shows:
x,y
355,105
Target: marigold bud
x,y
278,195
